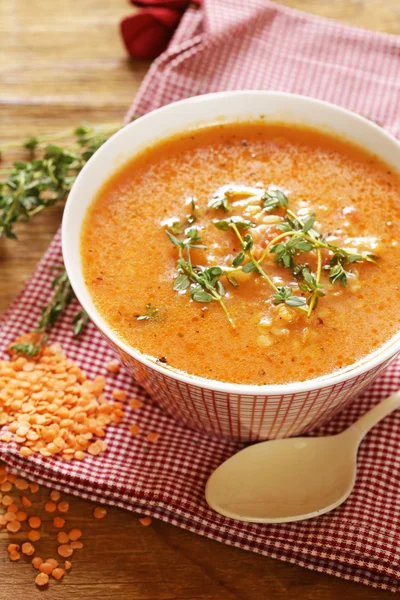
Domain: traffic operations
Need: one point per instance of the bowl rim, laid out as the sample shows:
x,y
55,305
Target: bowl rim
x,y
376,358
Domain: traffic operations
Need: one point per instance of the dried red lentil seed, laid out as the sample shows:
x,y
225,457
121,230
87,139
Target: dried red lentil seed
x,y
99,512
58,573
135,403
67,565
134,429
50,507
74,534
113,366
46,568
58,522
14,555
34,522
65,550
36,562
55,496
21,515
42,579
34,535
21,484
13,526
63,507
26,502
62,537
28,549
13,547
53,562
76,545
145,521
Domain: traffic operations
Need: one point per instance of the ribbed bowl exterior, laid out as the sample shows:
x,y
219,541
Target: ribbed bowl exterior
x,y
243,417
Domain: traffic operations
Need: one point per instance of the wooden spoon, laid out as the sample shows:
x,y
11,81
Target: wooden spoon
x,y
292,479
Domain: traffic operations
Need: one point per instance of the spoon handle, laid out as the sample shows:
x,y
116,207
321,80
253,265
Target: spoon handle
x,y
376,414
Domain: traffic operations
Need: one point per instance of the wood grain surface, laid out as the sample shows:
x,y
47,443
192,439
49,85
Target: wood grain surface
x,y
61,63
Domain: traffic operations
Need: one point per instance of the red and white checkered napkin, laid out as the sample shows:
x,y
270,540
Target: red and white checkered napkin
x,y
231,44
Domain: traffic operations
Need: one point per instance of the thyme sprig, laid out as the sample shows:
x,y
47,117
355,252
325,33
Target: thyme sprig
x,y
298,236
33,185
61,297
204,283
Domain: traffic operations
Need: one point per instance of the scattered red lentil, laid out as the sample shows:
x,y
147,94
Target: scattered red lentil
x,y
77,545
153,437
58,522
50,507
67,565
56,392
46,568
53,562
63,507
62,537
26,502
21,515
113,366
28,549
34,487
99,512
13,508
135,403
134,429
34,522
14,555
119,395
6,501
33,535
74,534
13,526
21,484
58,573
13,547
65,550
42,579
36,562
146,521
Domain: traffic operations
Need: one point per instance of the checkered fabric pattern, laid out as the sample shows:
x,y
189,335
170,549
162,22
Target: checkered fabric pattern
x,y
231,44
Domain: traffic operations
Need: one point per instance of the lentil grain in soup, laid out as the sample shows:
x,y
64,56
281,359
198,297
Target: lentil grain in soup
x,y
249,253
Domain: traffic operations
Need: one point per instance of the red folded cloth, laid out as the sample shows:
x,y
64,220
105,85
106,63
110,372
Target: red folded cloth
x,y
232,44
147,33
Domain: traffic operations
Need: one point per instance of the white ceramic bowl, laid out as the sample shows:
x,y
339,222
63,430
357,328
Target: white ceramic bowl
x,y
244,412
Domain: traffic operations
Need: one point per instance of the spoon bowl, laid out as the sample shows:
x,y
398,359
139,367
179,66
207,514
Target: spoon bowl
x,y
292,479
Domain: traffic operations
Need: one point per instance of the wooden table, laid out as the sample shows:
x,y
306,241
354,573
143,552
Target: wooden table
x,y
61,63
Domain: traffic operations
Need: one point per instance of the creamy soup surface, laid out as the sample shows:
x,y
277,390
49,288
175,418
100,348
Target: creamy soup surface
x,y
130,264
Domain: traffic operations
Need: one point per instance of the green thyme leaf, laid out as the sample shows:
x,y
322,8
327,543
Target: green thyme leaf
x,y
284,295
249,267
79,322
182,282
240,223
27,349
176,228
238,259
274,198
220,201
200,295
308,223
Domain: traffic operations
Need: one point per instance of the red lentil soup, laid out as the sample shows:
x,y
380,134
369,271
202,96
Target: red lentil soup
x,y
271,311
